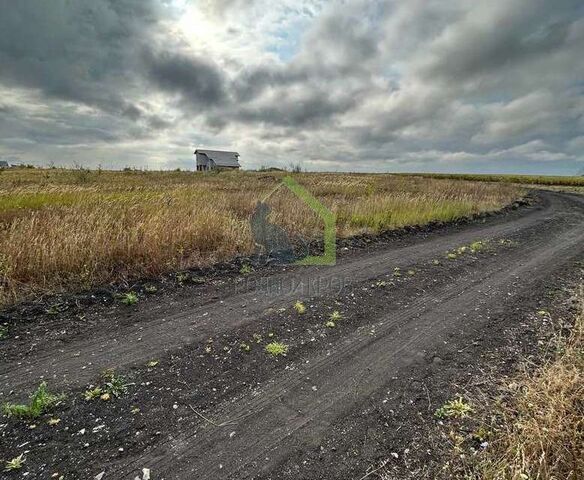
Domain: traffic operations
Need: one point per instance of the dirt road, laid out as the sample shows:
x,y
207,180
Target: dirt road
x,y
217,406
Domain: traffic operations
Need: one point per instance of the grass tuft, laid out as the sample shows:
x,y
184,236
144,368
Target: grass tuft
x,y
129,298
299,307
457,408
246,269
15,464
276,349
40,401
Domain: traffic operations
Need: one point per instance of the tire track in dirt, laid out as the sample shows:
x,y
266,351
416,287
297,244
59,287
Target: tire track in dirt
x,y
82,359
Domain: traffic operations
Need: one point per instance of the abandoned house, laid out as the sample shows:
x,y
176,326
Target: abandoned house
x,y
216,160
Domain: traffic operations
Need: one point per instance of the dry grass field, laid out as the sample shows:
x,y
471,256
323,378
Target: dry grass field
x,y
72,229
539,180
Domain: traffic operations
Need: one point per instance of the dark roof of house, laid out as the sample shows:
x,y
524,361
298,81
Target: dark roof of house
x,y
3,163
221,159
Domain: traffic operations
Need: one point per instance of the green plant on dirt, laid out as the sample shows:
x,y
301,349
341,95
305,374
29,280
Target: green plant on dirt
x,y
381,283
129,298
152,363
411,273
182,278
477,246
335,316
452,256
299,307
330,324
276,349
244,347
435,262
457,408
15,464
3,332
114,384
92,393
40,401
150,289
397,272
52,310
245,269
506,242
257,337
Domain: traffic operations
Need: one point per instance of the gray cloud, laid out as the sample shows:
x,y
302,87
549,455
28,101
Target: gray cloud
x,y
198,82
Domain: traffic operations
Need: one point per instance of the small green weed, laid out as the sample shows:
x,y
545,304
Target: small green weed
x,y
92,393
129,298
330,324
452,256
477,246
40,401
150,289
276,348
15,464
245,269
454,409
3,332
244,347
114,384
335,316
299,307
52,310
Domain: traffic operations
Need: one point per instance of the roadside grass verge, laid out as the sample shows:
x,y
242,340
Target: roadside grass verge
x,y
548,180
69,229
533,427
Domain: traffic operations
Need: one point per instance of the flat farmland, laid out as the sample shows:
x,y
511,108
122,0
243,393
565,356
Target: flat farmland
x,y
76,229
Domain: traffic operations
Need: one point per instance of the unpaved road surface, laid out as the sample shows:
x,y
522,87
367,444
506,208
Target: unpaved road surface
x,y
216,406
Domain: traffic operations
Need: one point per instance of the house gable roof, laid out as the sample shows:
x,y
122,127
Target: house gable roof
x,y
221,158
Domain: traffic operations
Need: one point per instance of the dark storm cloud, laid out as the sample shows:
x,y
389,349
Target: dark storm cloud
x,y
80,51
296,111
198,82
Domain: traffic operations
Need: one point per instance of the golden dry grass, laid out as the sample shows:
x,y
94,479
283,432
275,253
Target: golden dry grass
x,y
532,180
71,229
540,429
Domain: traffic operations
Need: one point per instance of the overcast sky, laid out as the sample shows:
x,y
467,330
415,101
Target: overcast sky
x,y
416,85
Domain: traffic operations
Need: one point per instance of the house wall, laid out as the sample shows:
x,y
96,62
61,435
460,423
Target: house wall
x,y
202,162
